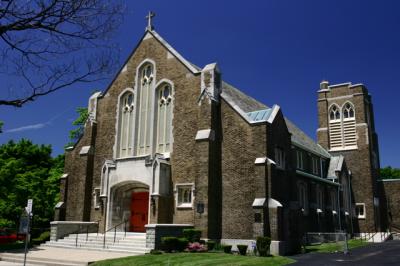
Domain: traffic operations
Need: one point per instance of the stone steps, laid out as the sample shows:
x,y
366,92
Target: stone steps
x,y
133,243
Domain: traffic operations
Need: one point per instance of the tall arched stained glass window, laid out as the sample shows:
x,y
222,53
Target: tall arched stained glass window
x,y
164,118
126,120
143,132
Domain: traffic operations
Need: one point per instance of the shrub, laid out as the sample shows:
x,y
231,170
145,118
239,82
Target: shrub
x,y
182,243
169,243
227,249
262,245
210,245
45,236
196,247
155,252
174,243
242,249
193,235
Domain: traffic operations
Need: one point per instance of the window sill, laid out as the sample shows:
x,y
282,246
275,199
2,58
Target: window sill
x,y
139,157
185,206
361,217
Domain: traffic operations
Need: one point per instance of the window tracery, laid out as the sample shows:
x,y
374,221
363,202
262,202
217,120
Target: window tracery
x,y
164,118
126,120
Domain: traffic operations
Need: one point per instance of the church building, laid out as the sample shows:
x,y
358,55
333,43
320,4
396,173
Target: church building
x,y
172,143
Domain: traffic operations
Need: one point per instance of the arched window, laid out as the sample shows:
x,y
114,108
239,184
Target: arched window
x,y
143,132
164,118
126,120
335,128
349,125
334,113
348,111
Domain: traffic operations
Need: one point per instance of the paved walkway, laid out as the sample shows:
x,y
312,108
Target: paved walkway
x,y
65,254
387,253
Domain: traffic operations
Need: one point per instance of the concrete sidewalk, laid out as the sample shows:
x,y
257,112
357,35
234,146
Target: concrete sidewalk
x,y
61,256
386,253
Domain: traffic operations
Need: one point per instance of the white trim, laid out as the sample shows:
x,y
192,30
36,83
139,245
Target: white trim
x,y
64,176
274,112
205,134
389,180
85,150
184,205
174,52
339,85
364,210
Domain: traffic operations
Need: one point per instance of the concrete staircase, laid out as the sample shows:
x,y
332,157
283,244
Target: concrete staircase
x,y
376,237
133,243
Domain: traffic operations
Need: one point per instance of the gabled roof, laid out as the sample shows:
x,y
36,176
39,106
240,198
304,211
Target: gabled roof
x,y
335,165
258,112
301,139
249,108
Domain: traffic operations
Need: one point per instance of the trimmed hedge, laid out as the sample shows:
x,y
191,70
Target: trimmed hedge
x,y
193,235
227,249
210,245
242,249
262,245
174,243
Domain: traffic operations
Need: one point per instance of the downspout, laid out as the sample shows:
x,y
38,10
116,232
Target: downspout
x,y
351,204
339,210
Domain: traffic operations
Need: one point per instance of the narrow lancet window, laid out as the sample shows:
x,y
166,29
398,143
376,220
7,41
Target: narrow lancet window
x,y
126,121
164,118
143,133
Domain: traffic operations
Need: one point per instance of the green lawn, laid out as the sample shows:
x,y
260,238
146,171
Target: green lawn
x,y
195,259
333,247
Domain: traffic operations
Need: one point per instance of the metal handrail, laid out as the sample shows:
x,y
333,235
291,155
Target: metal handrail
x,y
87,232
115,232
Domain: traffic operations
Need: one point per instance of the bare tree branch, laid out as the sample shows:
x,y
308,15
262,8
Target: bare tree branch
x,y
47,45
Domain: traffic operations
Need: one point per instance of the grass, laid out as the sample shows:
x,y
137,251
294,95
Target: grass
x,y
197,259
334,247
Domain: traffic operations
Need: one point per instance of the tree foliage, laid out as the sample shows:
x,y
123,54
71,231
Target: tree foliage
x,y
76,134
47,45
27,171
390,173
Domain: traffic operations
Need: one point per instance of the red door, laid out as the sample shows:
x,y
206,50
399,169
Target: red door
x,y
139,211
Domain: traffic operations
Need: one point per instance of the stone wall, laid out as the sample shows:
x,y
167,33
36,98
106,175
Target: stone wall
x,y
242,180
60,229
155,233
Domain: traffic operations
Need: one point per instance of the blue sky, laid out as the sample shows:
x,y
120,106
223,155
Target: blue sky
x,y
276,51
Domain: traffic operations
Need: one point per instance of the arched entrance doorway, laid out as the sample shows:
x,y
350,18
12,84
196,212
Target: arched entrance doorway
x,y
130,203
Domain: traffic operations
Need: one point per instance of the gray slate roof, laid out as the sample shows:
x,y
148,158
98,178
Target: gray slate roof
x,y
335,165
245,102
249,104
301,139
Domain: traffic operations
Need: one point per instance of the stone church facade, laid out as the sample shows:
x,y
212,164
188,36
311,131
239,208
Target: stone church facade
x,y
172,143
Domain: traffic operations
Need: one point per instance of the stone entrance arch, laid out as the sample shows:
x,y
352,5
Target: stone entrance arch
x,y
129,201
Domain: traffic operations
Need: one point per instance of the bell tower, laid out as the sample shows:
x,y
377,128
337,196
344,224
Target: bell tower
x,y
346,127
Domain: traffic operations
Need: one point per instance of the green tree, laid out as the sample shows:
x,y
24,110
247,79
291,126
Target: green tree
x,y
27,171
76,134
389,173
1,126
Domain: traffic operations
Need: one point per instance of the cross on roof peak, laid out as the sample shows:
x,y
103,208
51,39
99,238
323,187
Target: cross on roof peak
x,y
149,18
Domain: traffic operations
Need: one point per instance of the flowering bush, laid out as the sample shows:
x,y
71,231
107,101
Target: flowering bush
x,y
196,247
